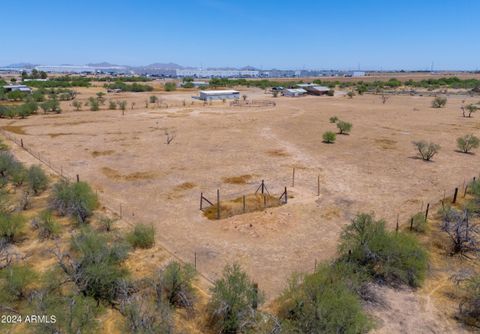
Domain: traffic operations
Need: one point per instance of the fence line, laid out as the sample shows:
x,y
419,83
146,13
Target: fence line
x,y
119,213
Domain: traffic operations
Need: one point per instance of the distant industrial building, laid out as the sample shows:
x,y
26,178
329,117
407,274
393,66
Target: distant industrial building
x,y
199,83
201,73
207,95
17,88
358,74
294,92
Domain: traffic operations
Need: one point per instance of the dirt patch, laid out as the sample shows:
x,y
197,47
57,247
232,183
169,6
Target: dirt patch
x,y
242,179
14,129
386,144
102,153
278,153
230,208
115,175
185,186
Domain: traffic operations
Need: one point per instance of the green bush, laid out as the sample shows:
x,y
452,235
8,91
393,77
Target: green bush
x,y
11,226
469,308
329,137
419,223
47,226
170,86
176,284
153,99
231,308
390,257
426,150
344,127
76,200
73,313
19,175
333,119
112,105
467,143
439,102
142,236
8,164
99,272
15,281
323,302
37,179
141,316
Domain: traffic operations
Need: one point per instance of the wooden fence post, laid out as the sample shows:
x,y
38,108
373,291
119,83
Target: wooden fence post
x,y
293,178
455,196
255,298
195,261
263,186
411,224
244,204
218,203
318,185
78,178
201,201
21,142
426,212
286,195
396,227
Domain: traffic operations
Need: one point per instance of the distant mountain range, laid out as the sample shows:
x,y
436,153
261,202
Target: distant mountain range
x,y
154,66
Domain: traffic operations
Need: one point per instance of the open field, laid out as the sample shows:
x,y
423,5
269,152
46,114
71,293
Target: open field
x,y
372,169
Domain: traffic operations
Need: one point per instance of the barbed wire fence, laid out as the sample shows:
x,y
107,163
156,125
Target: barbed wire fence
x,y
117,208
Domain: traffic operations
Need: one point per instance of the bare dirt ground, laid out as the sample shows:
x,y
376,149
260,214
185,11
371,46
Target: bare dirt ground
x,y
372,169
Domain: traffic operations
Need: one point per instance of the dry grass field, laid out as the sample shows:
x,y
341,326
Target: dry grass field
x,y
126,158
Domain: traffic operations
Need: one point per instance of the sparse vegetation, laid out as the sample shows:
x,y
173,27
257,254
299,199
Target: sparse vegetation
x,y
175,285
235,298
16,282
170,86
37,179
344,128
76,200
11,226
426,150
329,137
142,236
439,102
48,227
467,143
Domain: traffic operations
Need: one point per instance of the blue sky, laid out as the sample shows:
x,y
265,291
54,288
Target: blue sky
x,y
370,34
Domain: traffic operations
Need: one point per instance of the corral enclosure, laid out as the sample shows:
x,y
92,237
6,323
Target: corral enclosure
x,y
126,158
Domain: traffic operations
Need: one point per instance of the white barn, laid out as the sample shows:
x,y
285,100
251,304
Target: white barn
x,y
208,95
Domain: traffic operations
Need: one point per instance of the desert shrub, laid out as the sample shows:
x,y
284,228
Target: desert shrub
x,y
37,179
142,317
390,257
419,223
153,99
232,307
112,105
19,175
106,223
73,313
329,137
470,108
322,302
469,307
439,102
463,234
94,103
170,86
426,150
344,127
333,119
76,200
142,236
175,284
77,105
351,94
467,143
98,272
15,282
122,105
47,226
11,226
8,163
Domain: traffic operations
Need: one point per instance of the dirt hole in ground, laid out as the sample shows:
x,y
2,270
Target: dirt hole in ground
x,y
233,207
